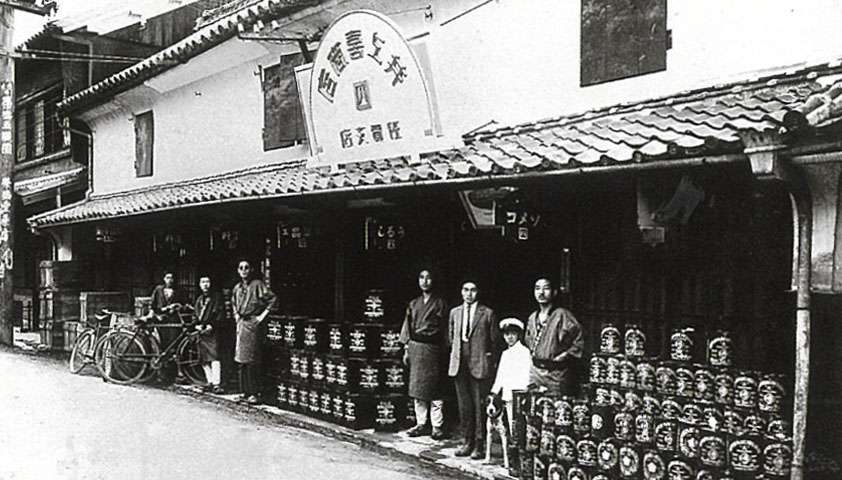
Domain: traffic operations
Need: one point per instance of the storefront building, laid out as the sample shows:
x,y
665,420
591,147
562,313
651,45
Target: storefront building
x,y
344,150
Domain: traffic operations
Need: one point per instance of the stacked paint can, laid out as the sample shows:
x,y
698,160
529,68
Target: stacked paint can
x,y
349,374
690,415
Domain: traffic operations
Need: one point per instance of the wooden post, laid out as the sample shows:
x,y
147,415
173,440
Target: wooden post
x,y
7,110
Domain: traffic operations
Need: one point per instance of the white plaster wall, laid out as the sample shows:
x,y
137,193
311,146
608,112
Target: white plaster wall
x,y
510,60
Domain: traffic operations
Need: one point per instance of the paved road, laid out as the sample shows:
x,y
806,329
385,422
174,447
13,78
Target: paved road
x,y
54,425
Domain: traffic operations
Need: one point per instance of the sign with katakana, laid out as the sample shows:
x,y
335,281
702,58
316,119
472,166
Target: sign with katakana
x,y
368,97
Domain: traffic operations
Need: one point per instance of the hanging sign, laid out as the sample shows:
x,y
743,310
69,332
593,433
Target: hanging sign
x,y
368,95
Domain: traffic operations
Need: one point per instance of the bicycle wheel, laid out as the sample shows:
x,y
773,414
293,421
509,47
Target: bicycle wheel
x,y
189,363
82,351
124,358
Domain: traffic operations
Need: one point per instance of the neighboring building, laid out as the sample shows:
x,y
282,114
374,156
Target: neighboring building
x,y
664,183
52,151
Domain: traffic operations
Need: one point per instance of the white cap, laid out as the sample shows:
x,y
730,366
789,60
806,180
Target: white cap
x,y
510,322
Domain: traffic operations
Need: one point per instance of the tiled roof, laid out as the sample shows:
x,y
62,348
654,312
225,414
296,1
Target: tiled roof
x,y
210,34
707,123
46,182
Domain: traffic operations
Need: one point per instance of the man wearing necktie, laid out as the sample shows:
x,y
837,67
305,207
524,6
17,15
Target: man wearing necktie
x,y
475,344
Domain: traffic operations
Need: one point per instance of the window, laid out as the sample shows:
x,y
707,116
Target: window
x,y
283,124
622,38
38,130
144,135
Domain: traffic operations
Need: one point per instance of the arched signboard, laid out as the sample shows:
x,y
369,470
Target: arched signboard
x,y
368,96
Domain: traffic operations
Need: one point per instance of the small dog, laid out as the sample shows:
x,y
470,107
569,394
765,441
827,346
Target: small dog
x,y
497,421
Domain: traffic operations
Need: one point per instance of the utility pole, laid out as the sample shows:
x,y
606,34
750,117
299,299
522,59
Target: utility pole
x,y
7,122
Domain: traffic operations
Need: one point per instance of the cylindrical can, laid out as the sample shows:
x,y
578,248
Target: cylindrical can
x,y
632,401
666,381
616,397
778,429
565,448
527,465
777,457
624,425
326,406
628,374
315,402
316,335
688,440
682,344
692,413
713,419
745,390
754,424
666,431
644,428
597,369
704,387
612,371
744,454
602,396
556,472
608,453
645,371
770,393
654,466
635,341
540,467
547,446
679,470
338,409
317,370
705,474
734,421
723,392
336,340
304,367
375,305
520,406
546,408
720,349
533,435
576,473
629,461
609,339
712,450
395,376
602,421
295,364
581,417
651,404
586,452
671,408
685,384
564,413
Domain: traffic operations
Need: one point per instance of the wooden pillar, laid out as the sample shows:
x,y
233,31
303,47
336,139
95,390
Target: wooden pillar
x,y
7,102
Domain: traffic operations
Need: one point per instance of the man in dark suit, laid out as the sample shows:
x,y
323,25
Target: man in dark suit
x,y
475,344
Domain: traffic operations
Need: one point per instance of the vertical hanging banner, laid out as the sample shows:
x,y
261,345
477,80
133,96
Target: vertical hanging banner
x,y
6,112
368,95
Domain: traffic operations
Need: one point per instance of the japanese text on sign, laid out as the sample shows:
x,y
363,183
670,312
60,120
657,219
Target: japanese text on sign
x,y
357,49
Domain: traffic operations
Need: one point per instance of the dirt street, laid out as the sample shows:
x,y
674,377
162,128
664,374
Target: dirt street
x,y
54,425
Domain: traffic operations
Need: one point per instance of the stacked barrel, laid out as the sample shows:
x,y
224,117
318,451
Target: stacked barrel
x,y
350,374
658,418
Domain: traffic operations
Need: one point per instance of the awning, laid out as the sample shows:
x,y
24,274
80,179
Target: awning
x,y
29,189
710,122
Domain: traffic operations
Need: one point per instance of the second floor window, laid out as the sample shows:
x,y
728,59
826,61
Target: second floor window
x,y
283,124
144,135
622,38
38,130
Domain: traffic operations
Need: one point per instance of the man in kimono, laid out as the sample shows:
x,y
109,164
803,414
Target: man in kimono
x,y
556,341
210,316
423,335
475,345
251,301
166,301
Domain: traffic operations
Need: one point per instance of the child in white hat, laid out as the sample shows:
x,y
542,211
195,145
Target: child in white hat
x,y
513,370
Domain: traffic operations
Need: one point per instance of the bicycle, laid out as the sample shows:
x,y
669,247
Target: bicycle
x,y
132,354
86,342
